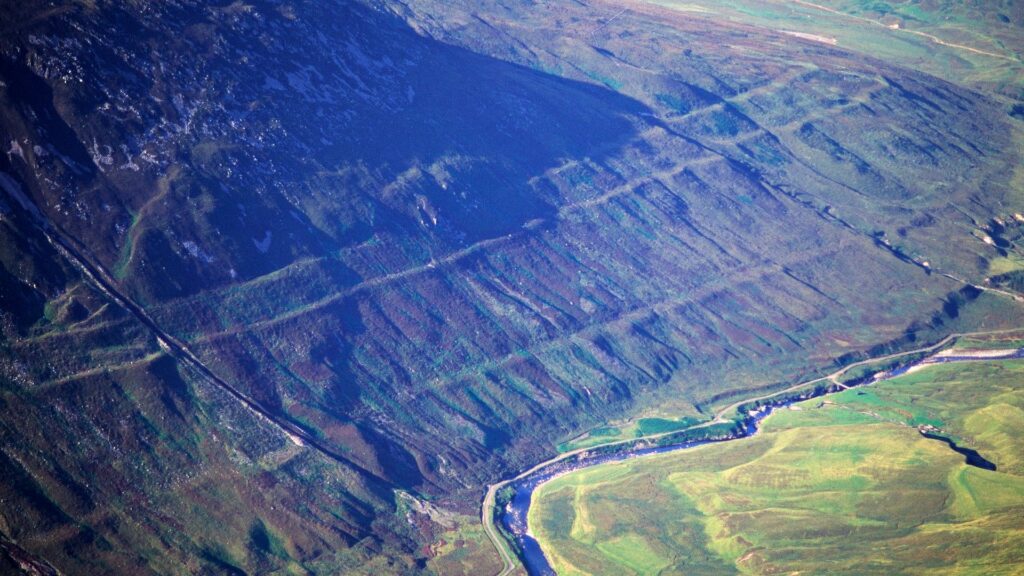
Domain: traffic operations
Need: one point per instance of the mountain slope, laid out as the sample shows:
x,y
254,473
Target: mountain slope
x,y
430,242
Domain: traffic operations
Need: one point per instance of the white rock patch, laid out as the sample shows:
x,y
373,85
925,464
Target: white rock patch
x,y
263,245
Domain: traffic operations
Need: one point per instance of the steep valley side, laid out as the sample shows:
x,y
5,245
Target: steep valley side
x,y
439,240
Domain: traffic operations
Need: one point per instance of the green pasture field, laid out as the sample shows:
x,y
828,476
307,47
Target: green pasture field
x,y
951,40
840,484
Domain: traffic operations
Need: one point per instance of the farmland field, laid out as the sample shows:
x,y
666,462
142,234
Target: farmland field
x,y
844,484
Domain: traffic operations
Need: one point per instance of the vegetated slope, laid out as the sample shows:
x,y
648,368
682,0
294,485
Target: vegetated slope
x,y
967,43
117,459
439,247
838,486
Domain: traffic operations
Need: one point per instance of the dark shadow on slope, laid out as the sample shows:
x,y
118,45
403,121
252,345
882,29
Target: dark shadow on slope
x,y
299,131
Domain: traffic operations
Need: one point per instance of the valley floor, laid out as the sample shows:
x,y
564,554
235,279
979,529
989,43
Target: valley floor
x,y
837,485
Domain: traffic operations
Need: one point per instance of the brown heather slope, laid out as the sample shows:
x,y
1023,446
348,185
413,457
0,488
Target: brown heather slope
x,y
438,239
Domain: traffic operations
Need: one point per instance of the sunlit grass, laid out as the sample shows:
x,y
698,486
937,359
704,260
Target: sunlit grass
x,y
841,484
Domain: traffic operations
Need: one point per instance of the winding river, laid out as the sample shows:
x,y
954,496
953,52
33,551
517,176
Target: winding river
x,y
514,516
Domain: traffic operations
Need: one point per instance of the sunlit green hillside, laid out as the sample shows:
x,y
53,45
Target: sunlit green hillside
x,y
975,44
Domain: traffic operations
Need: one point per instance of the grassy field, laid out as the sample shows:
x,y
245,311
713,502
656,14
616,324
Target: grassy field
x,y
844,484
1002,342
631,429
979,47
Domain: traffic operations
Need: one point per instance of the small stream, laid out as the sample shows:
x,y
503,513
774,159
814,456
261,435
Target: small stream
x,y
513,517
